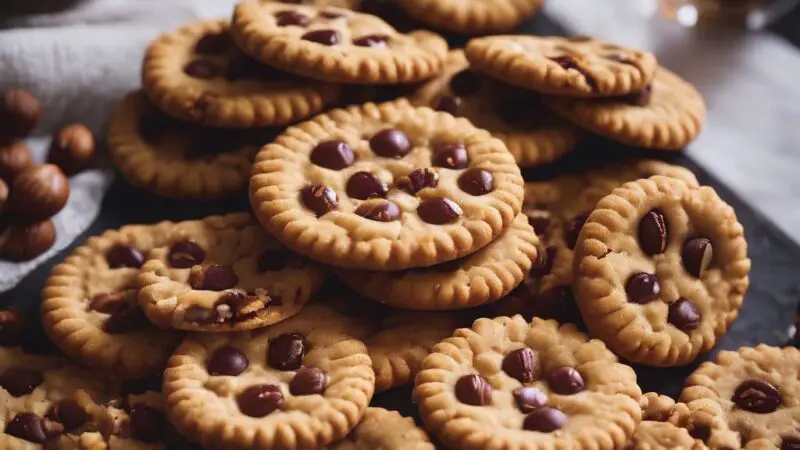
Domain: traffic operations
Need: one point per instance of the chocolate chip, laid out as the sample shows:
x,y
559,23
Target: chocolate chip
x,y
544,261
566,381
272,260
474,390
557,303
333,155
122,255
185,254
27,426
20,382
790,443
653,233
286,18
364,185
286,352
451,156
476,182
372,40
540,224
544,420
147,423
439,210
418,180
228,361
212,44
318,198
379,210
700,432
642,288
448,104
573,229
684,315
567,62
215,277
529,398
260,400
324,37
641,98
125,320
757,396
11,329
202,69
390,143
697,254
465,82
69,413
19,113
308,381
522,364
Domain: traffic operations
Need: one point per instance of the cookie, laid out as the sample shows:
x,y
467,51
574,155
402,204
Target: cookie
x,y
574,66
667,114
197,74
659,428
660,270
482,277
385,430
507,383
746,399
301,383
471,17
557,209
224,273
90,309
385,187
515,116
334,44
173,159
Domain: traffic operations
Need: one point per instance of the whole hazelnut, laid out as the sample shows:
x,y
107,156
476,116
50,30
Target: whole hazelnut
x,y
25,241
14,158
38,193
19,113
72,149
3,194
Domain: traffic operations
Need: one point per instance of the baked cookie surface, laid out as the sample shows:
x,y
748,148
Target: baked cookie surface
x,y
472,17
385,430
385,187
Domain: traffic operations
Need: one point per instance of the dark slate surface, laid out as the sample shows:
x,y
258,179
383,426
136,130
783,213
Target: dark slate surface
x,y
766,316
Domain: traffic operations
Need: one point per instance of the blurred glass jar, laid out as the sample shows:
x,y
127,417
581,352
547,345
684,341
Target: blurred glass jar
x,y
750,14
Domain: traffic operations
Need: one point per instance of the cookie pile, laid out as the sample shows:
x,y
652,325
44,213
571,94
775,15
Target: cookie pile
x,y
395,243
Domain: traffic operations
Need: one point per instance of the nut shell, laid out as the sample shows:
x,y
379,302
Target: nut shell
x,y
38,193
72,149
14,158
19,113
25,241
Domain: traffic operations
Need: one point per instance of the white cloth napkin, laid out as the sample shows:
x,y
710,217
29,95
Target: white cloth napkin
x,y
79,63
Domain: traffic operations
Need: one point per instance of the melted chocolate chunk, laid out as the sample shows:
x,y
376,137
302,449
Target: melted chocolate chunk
x,y
320,199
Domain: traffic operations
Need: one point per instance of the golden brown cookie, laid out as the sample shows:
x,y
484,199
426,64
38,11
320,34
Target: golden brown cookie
x,y
661,269
574,66
197,74
472,17
557,209
224,273
382,429
334,44
660,428
667,114
746,399
90,309
482,277
385,187
507,383
532,134
176,160
302,383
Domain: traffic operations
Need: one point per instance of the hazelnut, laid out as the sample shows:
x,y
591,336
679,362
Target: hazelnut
x,y
3,194
25,241
14,158
72,149
19,113
38,193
